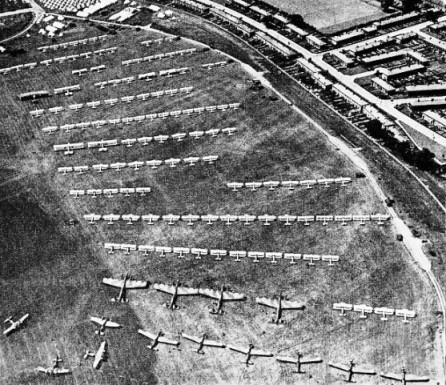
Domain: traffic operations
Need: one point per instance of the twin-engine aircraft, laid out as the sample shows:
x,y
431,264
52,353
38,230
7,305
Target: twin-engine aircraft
x,y
126,283
280,305
100,355
221,297
250,352
176,291
202,342
14,325
104,323
158,339
404,377
352,369
54,370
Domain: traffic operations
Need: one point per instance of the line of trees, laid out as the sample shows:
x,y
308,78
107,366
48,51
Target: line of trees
x,y
406,5
423,159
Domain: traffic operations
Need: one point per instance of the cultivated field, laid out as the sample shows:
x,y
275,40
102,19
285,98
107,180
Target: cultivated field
x,y
322,14
59,282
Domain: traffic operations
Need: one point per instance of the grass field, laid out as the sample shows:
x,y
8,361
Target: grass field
x,y
11,25
325,13
55,270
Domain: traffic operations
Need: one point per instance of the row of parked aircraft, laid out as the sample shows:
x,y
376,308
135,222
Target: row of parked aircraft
x,y
227,219
104,144
111,102
256,256
220,297
289,184
136,165
384,312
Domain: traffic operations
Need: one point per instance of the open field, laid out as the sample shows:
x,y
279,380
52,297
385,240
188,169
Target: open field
x,y
12,5
11,25
65,264
326,13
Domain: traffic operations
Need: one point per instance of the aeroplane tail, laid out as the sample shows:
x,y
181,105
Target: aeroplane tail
x,y
199,351
216,312
9,319
88,354
151,347
99,332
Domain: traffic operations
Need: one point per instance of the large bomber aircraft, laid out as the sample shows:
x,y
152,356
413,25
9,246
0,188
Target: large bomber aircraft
x,y
124,284
280,305
250,352
100,355
54,370
104,323
299,361
158,339
202,342
176,291
14,325
352,369
404,377
221,297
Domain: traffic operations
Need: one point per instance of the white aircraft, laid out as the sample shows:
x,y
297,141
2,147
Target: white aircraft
x,y
118,166
221,297
196,134
267,219
405,313
104,323
176,291
191,160
253,186
250,352
171,218
299,361
247,219
280,305
213,132
384,311
36,113
235,185
150,218
145,140
111,218
330,259
198,252
136,165
290,184
228,219
210,159
230,130
271,185
161,138
126,283
54,370
154,163
142,191
100,167
363,309
158,339
326,181
190,219
163,250
343,307
351,370
172,162
292,257
308,183
209,219
404,377
14,325
179,136
130,218
128,99
287,219
202,342
100,356
76,193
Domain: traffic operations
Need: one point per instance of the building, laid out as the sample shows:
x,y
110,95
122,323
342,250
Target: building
x,y
434,118
347,37
322,81
274,44
349,96
428,103
426,89
344,59
315,41
307,66
383,86
388,74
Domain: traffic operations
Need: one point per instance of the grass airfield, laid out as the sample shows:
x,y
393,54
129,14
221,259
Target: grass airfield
x,y
60,282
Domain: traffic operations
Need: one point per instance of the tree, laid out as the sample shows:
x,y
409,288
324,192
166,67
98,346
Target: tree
x,y
410,5
375,129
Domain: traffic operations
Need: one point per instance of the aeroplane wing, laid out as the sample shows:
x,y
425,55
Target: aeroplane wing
x,y
399,377
96,320
61,371
240,350
147,334
99,356
191,338
9,330
292,305
40,369
163,340
24,318
187,291
113,282
288,360
229,296
213,344
261,353
165,288
108,324
361,370
210,293
268,302
111,324
311,360
342,367
133,284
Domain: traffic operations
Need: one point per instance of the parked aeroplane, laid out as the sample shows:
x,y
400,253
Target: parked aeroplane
x,y
202,342
100,356
104,323
404,377
221,297
250,352
14,325
124,284
158,339
175,291
54,370
299,361
352,369
280,305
